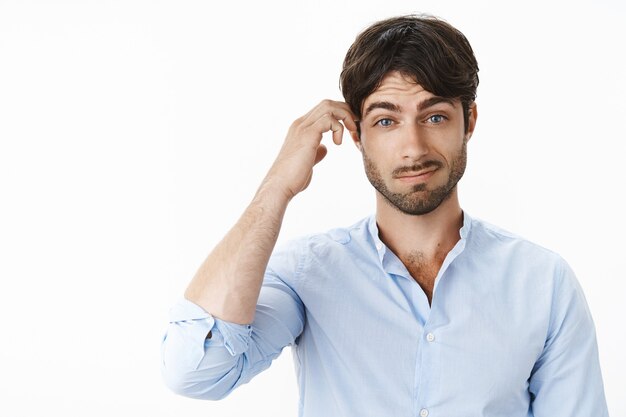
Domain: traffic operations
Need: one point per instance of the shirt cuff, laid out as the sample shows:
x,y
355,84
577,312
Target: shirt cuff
x,y
234,337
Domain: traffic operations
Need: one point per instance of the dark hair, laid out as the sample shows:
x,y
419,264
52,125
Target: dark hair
x,y
430,51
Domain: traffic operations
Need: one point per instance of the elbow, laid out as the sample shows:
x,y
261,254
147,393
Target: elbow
x,y
200,383
186,385
192,370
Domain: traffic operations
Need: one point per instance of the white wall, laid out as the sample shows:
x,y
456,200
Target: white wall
x,y
133,133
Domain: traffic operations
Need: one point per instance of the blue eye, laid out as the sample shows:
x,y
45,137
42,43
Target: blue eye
x,y
384,122
436,118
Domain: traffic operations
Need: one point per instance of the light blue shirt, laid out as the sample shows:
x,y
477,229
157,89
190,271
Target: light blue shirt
x,y
508,333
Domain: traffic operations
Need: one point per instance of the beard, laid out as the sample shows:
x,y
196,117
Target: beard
x,y
419,200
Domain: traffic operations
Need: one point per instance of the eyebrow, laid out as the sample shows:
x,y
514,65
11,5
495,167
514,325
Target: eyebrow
x,y
386,105
429,102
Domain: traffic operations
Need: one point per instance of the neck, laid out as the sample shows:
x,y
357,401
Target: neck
x,y
433,234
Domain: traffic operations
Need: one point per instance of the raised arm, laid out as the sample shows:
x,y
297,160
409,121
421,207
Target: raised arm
x,y
239,313
228,282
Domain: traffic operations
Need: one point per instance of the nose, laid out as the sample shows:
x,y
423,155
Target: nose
x,y
414,143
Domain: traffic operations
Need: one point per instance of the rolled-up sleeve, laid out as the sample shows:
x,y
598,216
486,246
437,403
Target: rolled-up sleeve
x,y
205,357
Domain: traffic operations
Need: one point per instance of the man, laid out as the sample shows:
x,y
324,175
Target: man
x,y
418,310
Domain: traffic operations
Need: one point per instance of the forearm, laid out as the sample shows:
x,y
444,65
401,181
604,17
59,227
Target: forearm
x,y
228,282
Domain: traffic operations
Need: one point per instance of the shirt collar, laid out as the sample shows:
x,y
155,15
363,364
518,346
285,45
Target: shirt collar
x,y
381,248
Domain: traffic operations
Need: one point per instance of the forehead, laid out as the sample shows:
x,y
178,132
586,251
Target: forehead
x,y
395,83
399,88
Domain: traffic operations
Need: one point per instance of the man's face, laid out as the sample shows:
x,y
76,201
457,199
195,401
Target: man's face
x,y
414,144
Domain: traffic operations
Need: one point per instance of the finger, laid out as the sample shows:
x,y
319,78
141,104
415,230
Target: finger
x,y
348,119
341,112
328,123
313,115
337,129
337,109
321,153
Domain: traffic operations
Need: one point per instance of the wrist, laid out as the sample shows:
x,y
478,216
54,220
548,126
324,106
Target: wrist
x,y
275,191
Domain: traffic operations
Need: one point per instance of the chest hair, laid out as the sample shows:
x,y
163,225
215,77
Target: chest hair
x,y
423,269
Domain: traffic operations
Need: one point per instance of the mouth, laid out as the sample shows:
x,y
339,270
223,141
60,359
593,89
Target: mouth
x,y
416,176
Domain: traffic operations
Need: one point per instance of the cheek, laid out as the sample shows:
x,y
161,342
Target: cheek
x,y
452,155
381,156
375,156
381,146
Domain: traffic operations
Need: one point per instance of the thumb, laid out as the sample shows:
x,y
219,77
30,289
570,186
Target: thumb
x,y
321,153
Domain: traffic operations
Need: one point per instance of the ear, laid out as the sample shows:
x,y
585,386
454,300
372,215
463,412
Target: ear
x,y
471,120
356,139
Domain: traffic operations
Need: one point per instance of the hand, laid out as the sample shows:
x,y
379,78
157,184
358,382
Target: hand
x,y
293,168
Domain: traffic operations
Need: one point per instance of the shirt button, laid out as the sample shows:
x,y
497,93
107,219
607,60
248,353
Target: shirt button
x,y
379,246
423,412
430,337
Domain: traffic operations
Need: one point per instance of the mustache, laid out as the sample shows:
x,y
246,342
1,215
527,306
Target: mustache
x,y
417,167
